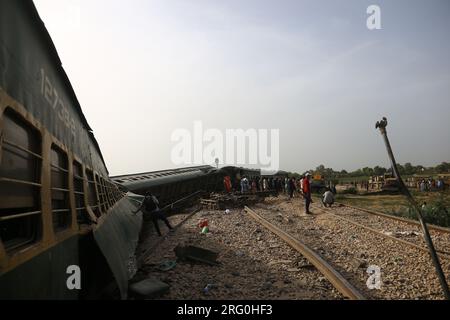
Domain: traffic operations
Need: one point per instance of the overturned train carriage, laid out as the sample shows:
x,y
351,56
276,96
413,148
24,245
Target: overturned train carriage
x,y
58,208
171,185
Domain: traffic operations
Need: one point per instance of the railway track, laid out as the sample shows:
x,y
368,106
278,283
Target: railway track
x,y
253,263
406,232
407,271
335,278
388,216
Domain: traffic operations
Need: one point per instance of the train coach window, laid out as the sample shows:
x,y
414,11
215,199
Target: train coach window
x,y
108,196
92,194
20,188
101,195
105,194
118,192
80,206
60,189
111,197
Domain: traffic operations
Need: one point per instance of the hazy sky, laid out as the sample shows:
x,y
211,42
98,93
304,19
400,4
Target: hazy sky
x,y
311,69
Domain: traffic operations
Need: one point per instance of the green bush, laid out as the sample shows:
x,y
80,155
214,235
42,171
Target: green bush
x,y
435,213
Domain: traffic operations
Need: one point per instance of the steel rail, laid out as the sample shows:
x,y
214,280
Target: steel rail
x,y
388,216
335,278
384,215
326,211
171,205
446,253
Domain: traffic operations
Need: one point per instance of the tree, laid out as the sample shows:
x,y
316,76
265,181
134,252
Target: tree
x,y
294,175
443,167
379,171
367,171
419,169
409,169
320,169
401,169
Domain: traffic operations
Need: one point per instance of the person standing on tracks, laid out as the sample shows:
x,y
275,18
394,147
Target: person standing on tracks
x,y
253,185
307,192
286,185
150,208
291,187
244,185
422,186
227,183
265,188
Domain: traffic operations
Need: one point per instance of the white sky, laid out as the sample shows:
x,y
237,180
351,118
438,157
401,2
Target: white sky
x,y
142,69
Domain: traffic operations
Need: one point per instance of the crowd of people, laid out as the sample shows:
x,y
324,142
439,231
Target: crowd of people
x,y
431,185
288,186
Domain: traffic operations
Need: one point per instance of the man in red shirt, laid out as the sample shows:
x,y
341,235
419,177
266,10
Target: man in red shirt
x,y
307,192
227,183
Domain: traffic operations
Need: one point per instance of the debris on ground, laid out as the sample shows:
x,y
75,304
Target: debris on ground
x,y
224,201
166,265
208,288
196,254
149,288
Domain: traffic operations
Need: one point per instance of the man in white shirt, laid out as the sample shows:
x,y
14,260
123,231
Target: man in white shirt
x,y
328,198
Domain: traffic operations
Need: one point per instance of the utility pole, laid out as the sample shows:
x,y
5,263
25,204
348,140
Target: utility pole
x,y
426,234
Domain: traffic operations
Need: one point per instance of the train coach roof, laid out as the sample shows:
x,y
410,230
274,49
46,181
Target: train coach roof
x,y
30,8
161,173
135,182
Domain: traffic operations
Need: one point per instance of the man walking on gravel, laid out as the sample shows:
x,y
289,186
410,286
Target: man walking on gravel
x,y
307,192
291,187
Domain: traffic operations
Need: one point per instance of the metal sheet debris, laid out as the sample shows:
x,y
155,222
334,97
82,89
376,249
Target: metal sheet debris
x,y
196,254
149,288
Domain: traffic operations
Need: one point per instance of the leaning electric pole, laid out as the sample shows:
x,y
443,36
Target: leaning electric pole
x,y
382,126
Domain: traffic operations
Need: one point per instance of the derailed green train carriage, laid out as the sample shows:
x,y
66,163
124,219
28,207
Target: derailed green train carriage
x,y
173,184
58,208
